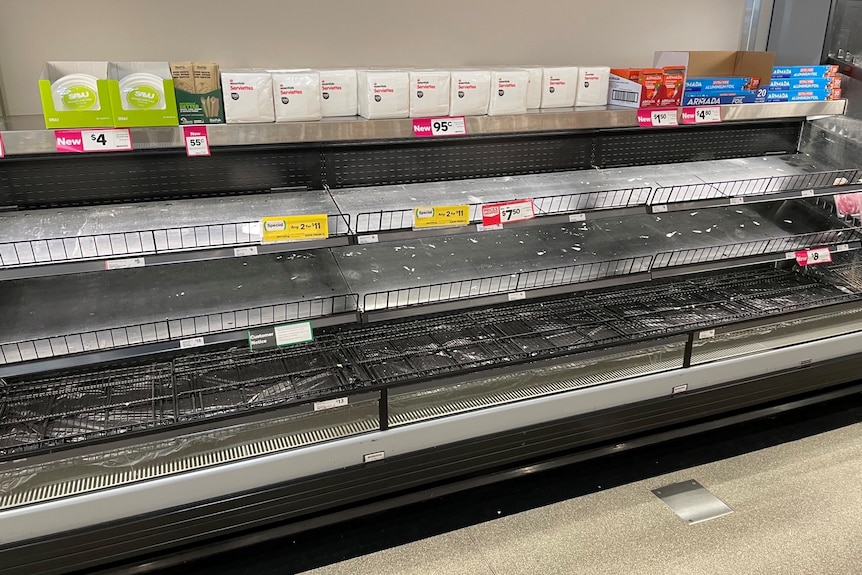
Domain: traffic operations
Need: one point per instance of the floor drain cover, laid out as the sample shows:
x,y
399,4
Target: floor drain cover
x,y
692,501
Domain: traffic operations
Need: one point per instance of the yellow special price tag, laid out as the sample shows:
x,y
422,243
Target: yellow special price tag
x,y
441,217
294,228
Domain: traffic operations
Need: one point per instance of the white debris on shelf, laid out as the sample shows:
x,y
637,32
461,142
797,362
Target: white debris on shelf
x,y
475,241
672,234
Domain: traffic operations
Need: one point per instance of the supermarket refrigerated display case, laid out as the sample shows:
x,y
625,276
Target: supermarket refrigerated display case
x,y
660,282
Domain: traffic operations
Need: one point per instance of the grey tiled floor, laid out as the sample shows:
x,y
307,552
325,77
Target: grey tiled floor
x,y
797,510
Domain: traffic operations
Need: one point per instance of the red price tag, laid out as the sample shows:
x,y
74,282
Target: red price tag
x,y
701,115
507,212
813,257
196,140
2,151
657,117
434,127
80,141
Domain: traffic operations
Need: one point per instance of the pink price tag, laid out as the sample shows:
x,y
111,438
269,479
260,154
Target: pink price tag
x,y
2,150
657,117
434,127
507,212
701,115
813,256
196,140
82,141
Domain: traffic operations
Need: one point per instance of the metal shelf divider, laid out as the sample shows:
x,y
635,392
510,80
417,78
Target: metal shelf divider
x,y
397,225
56,256
734,192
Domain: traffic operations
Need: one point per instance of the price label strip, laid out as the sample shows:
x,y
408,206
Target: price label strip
x,y
294,228
196,140
83,141
441,217
436,127
701,115
658,117
813,257
507,212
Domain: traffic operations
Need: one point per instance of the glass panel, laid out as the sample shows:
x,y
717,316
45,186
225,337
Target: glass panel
x,y
481,393
79,474
775,335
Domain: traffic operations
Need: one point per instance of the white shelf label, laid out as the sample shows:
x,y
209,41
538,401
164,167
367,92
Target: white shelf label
x,y
843,248
679,389
293,333
706,334
196,140
192,342
578,218
369,239
125,264
807,193
484,228
737,201
245,251
517,296
330,403
376,456
107,140
659,209
657,118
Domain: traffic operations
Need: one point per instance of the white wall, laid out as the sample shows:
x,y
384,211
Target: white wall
x,y
319,33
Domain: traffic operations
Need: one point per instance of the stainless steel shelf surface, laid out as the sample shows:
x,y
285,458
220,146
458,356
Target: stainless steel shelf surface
x,y
27,135
50,317
184,227
386,275
591,192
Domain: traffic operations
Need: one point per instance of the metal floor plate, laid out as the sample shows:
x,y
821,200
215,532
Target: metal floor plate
x,y
692,501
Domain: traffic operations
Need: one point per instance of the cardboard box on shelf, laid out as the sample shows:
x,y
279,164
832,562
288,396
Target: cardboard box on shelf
x,y
534,90
721,84
646,87
198,92
247,96
827,83
75,95
470,92
728,65
593,84
142,94
338,93
429,93
804,95
804,71
296,95
717,98
383,94
559,87
508,92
